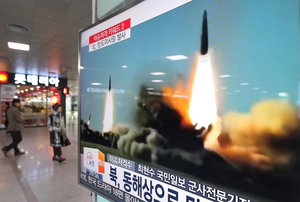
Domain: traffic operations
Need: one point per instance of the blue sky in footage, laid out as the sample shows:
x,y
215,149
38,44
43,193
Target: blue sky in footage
x,y
256,42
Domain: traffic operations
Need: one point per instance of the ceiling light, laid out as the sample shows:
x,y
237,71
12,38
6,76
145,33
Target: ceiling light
x,y
150,88
18,46
256,88
177,57
244,84
157,81
26,90
124,66
18,28
157,73
96,84
225,75
18,86
22,91
31,88
283,94
38,87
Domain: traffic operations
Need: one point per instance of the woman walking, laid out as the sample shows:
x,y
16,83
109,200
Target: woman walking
x,y
56,125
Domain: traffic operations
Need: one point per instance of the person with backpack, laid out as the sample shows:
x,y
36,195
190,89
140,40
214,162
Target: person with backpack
x,y
56,125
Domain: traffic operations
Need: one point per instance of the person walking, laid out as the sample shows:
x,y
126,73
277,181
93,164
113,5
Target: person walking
x,y
14,128
56,125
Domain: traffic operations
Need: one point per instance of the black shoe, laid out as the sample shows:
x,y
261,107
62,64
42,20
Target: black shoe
x,y
61,159
4,152
19,153
55,159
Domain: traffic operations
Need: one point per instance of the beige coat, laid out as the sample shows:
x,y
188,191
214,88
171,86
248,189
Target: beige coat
x,y
14,119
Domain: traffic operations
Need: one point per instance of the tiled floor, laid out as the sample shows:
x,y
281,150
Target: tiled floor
x,y
34,176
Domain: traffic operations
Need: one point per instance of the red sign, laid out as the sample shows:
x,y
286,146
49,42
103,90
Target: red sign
x,y
110,31
66,91
3,77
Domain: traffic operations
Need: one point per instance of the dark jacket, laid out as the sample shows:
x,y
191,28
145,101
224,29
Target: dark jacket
x,y
14,119
6,119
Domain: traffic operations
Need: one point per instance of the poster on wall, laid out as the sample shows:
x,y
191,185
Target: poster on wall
x,y
192,101
7,93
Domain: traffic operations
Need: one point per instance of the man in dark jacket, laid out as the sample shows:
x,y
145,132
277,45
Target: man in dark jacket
x,y
14,128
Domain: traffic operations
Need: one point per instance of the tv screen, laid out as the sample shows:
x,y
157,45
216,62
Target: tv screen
x,y
192,101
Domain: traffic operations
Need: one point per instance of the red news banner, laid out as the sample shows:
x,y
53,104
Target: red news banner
x,y
111,35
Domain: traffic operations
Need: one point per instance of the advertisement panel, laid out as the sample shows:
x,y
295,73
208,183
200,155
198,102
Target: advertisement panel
x,y
192,101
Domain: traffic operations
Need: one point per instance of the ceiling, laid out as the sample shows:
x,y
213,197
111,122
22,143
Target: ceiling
x,y
53,35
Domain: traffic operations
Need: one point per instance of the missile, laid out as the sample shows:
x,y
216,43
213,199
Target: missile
x,y
204,35
89,121
109,85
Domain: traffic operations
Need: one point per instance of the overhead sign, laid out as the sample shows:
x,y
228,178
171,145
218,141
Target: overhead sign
x,y
24,79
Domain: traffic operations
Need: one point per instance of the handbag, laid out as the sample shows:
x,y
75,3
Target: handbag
x,y
64,141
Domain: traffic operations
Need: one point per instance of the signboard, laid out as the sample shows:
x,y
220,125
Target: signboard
x,y
109,36
7,93
35,80
192,104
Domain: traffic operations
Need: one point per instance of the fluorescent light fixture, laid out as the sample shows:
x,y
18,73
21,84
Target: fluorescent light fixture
x,y
96,84
244,84
157,73
177,57
225,75
18,46
256,88
124,66
150,88
283,94
157,81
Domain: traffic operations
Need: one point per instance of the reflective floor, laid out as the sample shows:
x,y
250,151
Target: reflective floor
x,y
34,176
